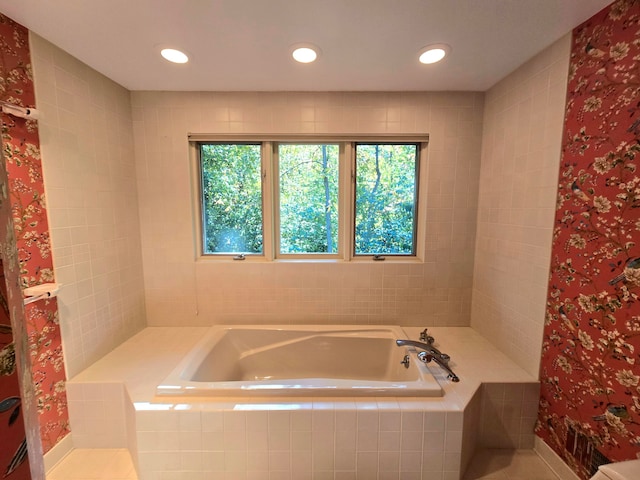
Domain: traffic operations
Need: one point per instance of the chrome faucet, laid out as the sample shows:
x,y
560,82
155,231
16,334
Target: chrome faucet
x,y
425,337
431,353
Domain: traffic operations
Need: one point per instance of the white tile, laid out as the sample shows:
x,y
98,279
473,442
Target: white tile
x,y
302,441
390,421
190,440
434,442
235,461
235,440
413,421
389,441
259,421
278,420
191,460
213,461
234,421
189,422
410,461
280,439
211,421
323,420
279,461
411,441
368,420
435,422
301,420
367,441
346,420
454,421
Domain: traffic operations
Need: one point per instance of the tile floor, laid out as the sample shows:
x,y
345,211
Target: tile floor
x,y
115,464
495,464
95,464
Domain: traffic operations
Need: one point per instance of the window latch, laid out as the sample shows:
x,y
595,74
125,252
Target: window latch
x,y
378,258
239,257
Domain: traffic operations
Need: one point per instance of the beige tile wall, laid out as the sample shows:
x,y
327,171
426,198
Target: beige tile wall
x,y
87,156
182,291
345,439
508,415
523,124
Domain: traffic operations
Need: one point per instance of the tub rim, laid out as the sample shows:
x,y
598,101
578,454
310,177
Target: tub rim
x,y
174,385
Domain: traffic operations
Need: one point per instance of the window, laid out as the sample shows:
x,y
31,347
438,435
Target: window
x,y
308,198
386,198
295,199
231,198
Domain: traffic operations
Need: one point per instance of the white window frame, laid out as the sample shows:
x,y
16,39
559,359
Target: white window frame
x,y
346,196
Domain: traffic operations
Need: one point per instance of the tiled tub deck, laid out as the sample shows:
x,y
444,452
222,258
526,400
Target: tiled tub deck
x,y
113,405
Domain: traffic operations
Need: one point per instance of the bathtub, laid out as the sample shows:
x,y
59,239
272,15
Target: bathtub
x,y
308,360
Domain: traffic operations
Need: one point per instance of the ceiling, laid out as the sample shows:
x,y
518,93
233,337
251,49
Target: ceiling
x,y
244,45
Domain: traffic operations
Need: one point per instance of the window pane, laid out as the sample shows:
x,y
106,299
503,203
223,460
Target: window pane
x,y
385,199
231,198
308,198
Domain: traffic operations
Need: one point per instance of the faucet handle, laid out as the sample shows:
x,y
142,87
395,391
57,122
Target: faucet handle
x,y
426,338
425,357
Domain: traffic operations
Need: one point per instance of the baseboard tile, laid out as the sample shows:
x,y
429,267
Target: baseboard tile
x,y
554,461
58,452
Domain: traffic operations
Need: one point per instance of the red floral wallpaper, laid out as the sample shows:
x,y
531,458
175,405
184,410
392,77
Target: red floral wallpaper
x,y
21,148
590,371
13,438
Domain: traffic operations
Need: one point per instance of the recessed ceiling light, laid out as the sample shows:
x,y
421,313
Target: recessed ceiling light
x,y
434,53
173,55
305,53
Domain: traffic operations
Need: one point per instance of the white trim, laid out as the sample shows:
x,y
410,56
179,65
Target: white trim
x,y
270,193
306,138
338,254
196,203
554,461
421,205
58,452
346,198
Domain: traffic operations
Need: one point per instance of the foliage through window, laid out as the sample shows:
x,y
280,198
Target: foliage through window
x,y
385,221
231,198
291,199
308,197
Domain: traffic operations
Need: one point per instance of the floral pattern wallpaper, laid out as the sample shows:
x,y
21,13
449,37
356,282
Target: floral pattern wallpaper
x,y
21,150
12,430
590,372
14,445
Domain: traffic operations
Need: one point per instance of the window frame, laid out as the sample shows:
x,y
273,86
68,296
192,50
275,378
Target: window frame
x,y
416,199
202,212
346,196
276,203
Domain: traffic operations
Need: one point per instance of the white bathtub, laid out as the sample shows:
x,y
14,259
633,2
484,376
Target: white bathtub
x,y
300,361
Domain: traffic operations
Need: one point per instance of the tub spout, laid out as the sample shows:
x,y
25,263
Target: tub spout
x,y
432,353
427,347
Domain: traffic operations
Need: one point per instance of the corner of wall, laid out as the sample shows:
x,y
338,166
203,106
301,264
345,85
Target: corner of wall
x,y
521,138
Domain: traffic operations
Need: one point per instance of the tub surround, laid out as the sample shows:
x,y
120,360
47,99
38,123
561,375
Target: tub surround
x,y
113,404
521,143
181,287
